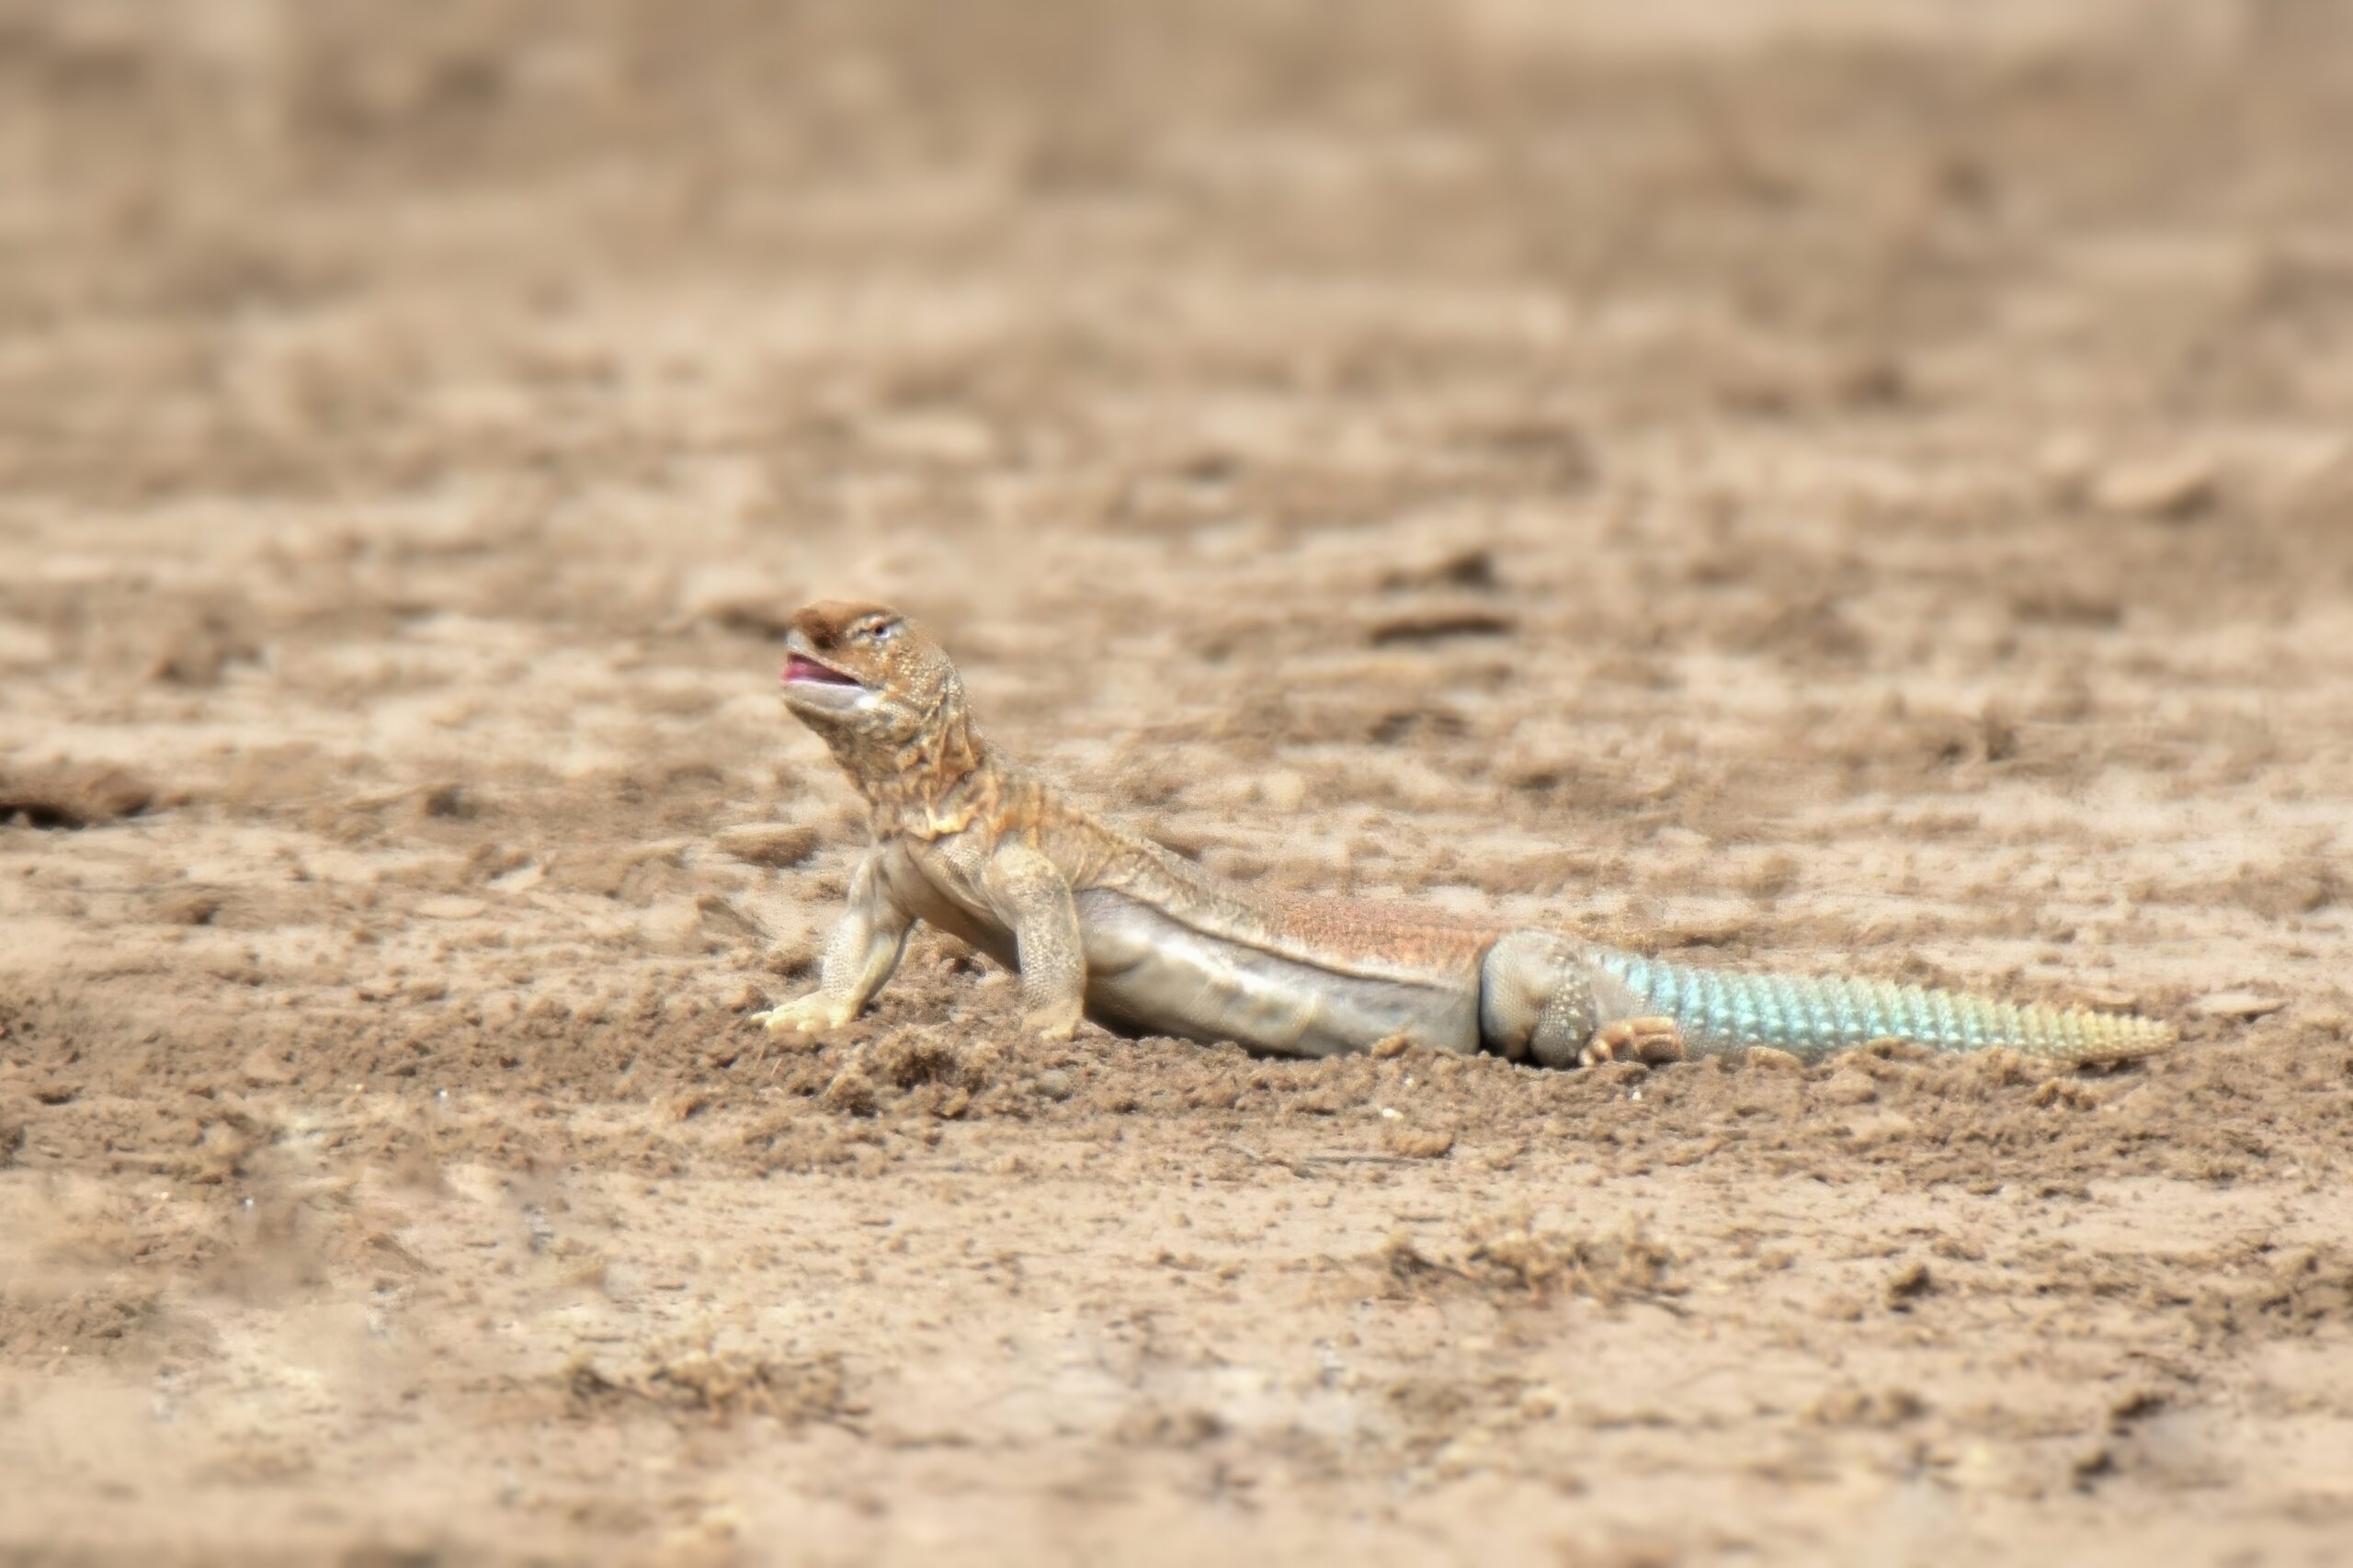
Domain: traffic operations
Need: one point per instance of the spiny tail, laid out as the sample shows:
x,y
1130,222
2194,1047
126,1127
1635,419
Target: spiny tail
x,y
1811,1017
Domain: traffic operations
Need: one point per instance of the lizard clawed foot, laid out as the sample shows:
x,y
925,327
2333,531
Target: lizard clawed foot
x,y
1055,1025
1651,1041
810,1014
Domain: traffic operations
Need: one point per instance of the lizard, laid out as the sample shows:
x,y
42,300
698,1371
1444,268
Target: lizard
x,y
1105,923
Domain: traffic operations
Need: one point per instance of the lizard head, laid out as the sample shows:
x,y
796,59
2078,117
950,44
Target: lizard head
x,y
886,701
864,675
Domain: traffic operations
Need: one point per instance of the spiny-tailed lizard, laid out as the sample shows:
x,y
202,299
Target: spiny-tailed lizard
x,y
1108,925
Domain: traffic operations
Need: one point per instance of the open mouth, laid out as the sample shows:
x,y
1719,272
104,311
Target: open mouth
x,y
801,669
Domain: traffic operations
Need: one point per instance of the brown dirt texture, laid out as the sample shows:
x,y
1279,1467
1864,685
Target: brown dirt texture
x,y
1849,484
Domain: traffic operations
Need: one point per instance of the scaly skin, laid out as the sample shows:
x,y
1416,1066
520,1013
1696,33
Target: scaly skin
x,y
1103,924
1810,1015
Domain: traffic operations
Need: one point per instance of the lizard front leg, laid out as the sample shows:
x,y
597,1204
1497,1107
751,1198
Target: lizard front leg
x,y
1541,996
860,956
1033,898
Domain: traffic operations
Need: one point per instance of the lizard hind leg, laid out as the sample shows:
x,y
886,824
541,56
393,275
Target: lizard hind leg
x,y
1536,999
1541,997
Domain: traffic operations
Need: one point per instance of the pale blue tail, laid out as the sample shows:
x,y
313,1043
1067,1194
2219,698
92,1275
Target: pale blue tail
x,y
1810,1017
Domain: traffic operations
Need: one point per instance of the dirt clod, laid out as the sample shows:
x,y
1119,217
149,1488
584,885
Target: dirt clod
x,y
780,845
721,1388
72,795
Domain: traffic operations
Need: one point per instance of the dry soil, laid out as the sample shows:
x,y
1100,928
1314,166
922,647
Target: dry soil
x,y
1851,486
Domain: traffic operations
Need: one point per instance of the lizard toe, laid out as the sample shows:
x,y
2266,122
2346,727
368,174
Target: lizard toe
x,y
1652,1041
810,1014
1053,1027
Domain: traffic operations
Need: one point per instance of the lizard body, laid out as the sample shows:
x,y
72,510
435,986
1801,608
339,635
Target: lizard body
x,y
1107,924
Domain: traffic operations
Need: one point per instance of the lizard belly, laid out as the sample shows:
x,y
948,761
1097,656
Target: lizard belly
x,y
950,904
1147,973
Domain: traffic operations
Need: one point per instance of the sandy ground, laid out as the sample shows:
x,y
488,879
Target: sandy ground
x,y
1848,485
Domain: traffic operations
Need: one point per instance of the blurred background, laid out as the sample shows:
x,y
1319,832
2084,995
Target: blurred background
x,y
1860,484
826,285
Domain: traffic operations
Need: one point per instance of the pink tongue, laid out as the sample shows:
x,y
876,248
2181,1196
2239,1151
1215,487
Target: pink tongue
x,y
799,668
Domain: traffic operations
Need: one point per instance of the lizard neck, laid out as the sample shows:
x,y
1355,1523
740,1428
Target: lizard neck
x,y
937,780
